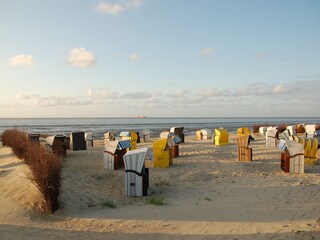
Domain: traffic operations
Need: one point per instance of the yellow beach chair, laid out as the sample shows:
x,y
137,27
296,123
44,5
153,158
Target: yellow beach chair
x,y
161,154
243,131
221,136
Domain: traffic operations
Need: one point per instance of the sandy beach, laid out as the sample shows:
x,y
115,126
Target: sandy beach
x,y
209,195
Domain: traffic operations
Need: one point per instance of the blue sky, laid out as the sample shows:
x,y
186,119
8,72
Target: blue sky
x,y
160,58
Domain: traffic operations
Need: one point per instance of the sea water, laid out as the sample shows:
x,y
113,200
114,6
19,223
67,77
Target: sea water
x,y
98,126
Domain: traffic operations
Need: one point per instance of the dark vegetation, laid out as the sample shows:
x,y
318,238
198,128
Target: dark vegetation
x,y
44,165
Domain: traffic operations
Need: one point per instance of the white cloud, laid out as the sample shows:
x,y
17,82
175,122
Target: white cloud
x,y
80,57
22,61
116,8
109,8
25,96
206,51
134,57
89,92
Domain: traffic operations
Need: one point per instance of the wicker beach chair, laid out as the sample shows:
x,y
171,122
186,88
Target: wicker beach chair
x,y
136,175
244,151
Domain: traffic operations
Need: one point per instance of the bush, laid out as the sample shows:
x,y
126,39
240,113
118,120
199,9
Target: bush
x,y
44,165
17,140
45,174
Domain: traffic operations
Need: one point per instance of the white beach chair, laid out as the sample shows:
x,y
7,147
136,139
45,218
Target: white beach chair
x,y
145,136
296,151
206,134
113,154
89,139
136,176
310,130
282,145
109,136
164,135
272,137
292,130
286,134
263,130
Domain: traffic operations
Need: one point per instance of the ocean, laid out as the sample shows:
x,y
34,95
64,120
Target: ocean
x,y
99,126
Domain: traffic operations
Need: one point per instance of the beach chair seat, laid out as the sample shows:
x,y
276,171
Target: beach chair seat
x,y
109,136
282,145
179,132
263,130
145,136
77,141
292,160
113,154
57,144
164,134
132,136
272,137
310,130
244,151
292,130
287,135
89,139
161,153
199,135
243,131
310,145
173,144
33,137
136,175
221,136
203,134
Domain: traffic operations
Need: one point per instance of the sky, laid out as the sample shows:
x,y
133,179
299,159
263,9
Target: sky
x,y
159,58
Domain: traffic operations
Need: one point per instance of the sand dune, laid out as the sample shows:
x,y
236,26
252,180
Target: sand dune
x,y
210,195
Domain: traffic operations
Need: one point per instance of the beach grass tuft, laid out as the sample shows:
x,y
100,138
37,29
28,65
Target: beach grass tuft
x,y
109,204
159,201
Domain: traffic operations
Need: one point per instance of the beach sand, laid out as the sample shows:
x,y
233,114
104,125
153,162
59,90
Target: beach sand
x,y
209,195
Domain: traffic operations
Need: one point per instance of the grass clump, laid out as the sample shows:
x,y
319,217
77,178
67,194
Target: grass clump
x,y
109,203
159,201
207,199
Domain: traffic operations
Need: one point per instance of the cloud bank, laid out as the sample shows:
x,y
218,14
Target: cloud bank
x,y
265,99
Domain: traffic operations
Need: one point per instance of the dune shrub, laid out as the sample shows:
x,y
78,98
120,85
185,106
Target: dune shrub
x,y
45,166
17,140
45,174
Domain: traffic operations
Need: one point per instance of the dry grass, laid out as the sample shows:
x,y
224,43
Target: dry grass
x,y
46,175
45,166
17,140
